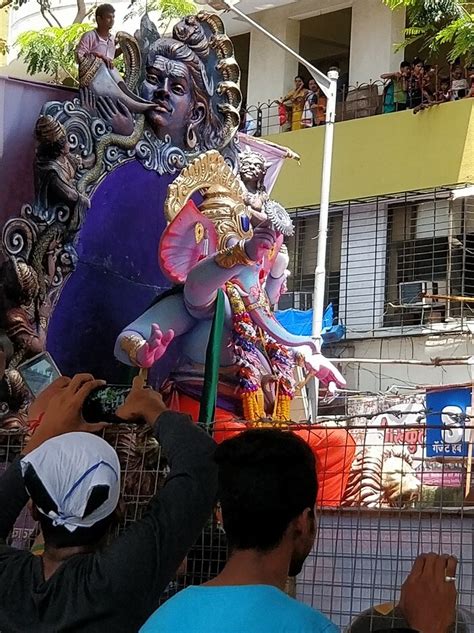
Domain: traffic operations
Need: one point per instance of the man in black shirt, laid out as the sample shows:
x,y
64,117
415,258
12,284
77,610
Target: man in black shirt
x,y
75,586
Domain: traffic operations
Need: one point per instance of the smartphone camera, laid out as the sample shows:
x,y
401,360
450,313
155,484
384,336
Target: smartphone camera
x,y
102,403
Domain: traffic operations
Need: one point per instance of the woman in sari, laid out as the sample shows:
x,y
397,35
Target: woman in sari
x,y
295,101
314,112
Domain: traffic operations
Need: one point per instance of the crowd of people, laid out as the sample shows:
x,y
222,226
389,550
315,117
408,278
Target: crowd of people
x,y
418,84
264,481
304,106
415,86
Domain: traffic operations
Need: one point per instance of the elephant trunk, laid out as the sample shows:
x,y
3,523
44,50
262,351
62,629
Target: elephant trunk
x,y
269,324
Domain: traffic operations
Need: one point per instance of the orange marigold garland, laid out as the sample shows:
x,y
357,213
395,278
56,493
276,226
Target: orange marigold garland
x,y
244,339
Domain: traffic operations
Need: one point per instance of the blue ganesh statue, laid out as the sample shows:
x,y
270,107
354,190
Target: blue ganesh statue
x,y
225,244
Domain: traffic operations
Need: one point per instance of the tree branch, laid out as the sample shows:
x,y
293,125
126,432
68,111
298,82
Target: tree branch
x,y
43,13
5,3
81,11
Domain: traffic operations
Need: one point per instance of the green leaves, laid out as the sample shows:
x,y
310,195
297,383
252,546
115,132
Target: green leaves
x,y
168,10
436,22
52,50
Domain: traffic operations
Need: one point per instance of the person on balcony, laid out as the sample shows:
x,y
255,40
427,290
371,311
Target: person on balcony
x,y
415,84
395,93
459,85
295,101
314,112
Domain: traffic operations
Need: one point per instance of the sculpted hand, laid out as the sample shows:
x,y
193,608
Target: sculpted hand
x,y
427,600
117,115
261,242
108,62
154,347
87,99
323,369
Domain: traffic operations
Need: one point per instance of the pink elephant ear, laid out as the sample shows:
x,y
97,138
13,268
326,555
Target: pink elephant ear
x,y
189,238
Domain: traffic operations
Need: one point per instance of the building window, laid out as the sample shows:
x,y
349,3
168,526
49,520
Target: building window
x,y
428,253
302,247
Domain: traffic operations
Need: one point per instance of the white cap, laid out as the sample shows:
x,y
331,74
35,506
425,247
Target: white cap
x,y
70,466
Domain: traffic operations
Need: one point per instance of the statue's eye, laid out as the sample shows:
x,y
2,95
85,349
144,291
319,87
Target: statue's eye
x,y
245,223
178,89
152,79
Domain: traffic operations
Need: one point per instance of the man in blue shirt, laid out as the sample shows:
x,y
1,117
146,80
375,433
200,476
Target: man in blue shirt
x,y
267,493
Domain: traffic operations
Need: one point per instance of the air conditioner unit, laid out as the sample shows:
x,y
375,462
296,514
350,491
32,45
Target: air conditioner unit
x,y
411,294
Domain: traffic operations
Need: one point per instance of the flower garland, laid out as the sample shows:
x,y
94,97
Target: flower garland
x,y
244,340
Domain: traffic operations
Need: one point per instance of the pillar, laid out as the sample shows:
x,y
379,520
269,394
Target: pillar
x,y
375,32
271,69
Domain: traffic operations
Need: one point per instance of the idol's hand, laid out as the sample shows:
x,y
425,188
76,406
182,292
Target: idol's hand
x,y
154,348
261,242
323,369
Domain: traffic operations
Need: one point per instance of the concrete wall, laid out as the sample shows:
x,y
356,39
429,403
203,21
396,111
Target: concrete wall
x,y
425,347
374,33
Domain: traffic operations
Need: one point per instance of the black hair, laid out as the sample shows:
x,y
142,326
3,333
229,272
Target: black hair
x,y
417,60
405,64
57,535
267,478
302,79
103,9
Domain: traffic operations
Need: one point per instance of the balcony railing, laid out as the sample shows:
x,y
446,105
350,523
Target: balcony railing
x,y
353,102
361,100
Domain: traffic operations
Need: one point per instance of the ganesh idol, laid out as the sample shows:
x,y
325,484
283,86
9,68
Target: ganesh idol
x,y
215,248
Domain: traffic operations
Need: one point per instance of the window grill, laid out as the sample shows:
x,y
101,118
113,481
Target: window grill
x,y
391,261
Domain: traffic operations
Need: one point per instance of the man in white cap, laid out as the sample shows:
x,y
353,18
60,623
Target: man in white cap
x,y
73,479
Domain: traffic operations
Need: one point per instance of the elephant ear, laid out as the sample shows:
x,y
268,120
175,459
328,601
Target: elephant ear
x,y
188,239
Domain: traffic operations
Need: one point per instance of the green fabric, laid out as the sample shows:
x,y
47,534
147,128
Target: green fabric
x,y
213,356
388,103
399,94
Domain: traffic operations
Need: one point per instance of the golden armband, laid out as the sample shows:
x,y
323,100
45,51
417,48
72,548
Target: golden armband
x,y
130,344
233,256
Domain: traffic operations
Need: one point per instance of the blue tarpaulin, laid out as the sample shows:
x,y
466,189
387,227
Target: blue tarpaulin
x,y
300,322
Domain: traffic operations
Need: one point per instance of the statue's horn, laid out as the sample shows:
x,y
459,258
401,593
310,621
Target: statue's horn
x,y
95,75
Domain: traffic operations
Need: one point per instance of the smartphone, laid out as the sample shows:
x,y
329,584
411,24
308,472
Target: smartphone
x,y
39,372
102,403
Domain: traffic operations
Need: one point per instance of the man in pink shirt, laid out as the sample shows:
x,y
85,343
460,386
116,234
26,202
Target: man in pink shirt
x,y
100,42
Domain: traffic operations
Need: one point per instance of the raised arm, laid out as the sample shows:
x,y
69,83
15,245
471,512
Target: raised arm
x,y
142,561
168,315
13,495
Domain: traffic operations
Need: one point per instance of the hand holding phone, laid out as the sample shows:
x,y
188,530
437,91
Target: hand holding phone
x,y
63,412
102,403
